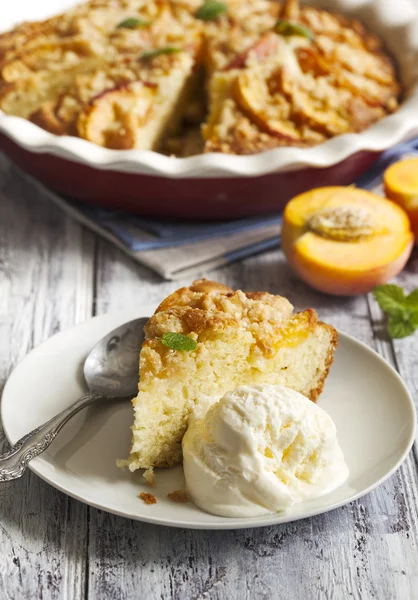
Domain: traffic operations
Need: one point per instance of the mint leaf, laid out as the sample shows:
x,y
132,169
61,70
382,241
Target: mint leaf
x,y
210,10
286,28
178,341
159,52
412,300
402,310
400,328
132,23
391,299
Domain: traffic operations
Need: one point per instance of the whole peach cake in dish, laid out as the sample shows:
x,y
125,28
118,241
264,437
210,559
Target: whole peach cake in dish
x,y
234,339
189,76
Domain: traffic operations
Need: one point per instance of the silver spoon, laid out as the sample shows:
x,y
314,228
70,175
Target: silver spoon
x,y
110,371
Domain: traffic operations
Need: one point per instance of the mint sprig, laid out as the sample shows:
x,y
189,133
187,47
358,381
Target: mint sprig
x,y
150,54
178,341
287,29
412,299
402,310
211,10
132,23
391,299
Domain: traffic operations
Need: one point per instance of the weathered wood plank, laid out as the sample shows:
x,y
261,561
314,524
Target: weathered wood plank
x,y
407,349
46,282
364,550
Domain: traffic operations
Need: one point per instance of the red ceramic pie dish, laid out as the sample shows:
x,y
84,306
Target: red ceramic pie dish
x,y
183,198
217,186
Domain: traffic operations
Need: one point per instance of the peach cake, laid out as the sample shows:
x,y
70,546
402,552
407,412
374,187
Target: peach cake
x,y
236,76
236,339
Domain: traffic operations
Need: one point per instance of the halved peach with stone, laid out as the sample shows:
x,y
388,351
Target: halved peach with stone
x,y
401,186
345,241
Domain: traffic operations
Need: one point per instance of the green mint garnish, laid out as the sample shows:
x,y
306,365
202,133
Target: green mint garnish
x,y
400,328
211,10
391,299
150,54
286,28
412,299
178,341
402,310
132,23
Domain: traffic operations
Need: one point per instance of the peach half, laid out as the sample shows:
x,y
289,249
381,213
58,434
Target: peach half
x,y
401,186
345,241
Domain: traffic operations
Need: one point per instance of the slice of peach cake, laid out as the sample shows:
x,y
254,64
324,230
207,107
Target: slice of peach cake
x,y
233,338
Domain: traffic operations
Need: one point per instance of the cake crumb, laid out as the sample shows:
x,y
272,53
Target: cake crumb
x,y
178,496
149,476
148,498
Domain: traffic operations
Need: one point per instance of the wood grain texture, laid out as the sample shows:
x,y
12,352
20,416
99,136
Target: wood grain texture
x,y
45,285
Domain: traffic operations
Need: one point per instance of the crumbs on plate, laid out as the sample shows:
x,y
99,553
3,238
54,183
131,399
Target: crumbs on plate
x,y
149,476
148,498
178,496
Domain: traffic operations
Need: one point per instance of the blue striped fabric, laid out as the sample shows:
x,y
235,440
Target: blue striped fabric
x,y
141,234
176,250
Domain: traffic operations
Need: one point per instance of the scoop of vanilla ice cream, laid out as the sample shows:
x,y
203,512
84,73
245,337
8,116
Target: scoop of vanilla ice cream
x,y
261,449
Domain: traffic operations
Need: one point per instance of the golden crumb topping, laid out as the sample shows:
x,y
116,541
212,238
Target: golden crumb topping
x,y
134,73
201,314
204,316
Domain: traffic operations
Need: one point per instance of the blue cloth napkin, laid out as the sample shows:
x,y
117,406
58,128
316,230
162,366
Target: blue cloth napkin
x,y
176,250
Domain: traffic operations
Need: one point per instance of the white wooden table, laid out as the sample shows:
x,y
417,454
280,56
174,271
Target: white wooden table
x,y
54,274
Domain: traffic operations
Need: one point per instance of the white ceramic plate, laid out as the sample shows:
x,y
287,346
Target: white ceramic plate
x,y
368,401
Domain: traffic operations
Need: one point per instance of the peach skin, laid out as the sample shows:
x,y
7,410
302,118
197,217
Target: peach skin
x,y
345,241
401,186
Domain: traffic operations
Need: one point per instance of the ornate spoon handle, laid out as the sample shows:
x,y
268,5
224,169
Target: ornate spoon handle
x,y
13,464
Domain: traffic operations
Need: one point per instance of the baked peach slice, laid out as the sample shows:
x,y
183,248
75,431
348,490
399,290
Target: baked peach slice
x,y
345,241
267,45
271,113
401,186
114,117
